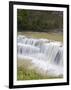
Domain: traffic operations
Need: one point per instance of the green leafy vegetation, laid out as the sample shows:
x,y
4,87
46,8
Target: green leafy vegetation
x,y
36,20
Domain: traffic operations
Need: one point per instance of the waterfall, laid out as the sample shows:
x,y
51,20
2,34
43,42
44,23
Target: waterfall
x,y
44,53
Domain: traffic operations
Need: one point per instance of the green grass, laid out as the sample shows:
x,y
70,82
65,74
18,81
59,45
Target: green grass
x,y
26,71
27,74
50,36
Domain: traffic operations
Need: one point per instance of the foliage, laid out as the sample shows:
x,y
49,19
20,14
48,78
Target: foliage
x,y
36,20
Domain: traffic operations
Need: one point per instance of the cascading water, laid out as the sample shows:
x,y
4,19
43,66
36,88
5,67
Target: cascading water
x,y
45,54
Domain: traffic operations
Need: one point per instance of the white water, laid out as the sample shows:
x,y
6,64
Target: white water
x,y
44,54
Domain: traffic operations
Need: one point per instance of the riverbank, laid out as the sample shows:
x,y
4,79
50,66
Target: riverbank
x,y
27,71
45,35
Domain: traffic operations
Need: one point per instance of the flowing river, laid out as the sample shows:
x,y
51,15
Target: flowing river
x,y
47,55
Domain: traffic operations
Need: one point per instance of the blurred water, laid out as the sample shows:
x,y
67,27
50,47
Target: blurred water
x,y
45,54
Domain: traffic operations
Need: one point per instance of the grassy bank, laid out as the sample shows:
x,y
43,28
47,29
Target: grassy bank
x,y
50,36
26,71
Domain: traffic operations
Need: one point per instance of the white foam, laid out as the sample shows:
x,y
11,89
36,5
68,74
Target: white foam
x,y
45,55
